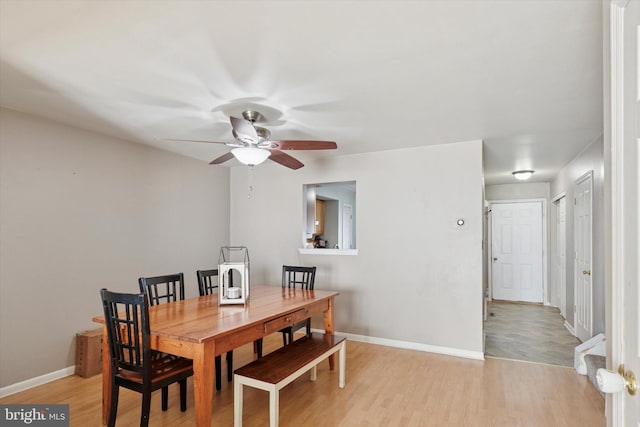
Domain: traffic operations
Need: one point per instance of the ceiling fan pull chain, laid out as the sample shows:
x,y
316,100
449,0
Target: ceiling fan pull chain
x,y
250,181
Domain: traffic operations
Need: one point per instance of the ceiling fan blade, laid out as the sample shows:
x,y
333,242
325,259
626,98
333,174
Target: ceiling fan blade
x,y
245,130
303,145
222,159
285,160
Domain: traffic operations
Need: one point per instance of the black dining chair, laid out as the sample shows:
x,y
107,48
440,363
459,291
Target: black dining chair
x,y
292,277
207,285
134,365
161,289
304,278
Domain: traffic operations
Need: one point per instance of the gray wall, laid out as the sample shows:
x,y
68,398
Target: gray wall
x,y
591,159
418,276
81,211
528,190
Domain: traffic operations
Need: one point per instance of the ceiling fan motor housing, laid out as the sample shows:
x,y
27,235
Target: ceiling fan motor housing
x,y
253,116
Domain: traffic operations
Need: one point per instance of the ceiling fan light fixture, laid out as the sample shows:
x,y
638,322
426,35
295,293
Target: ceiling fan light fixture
x,y
522,174
250,156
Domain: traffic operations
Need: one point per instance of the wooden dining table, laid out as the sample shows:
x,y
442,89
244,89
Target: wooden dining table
x,y
200,329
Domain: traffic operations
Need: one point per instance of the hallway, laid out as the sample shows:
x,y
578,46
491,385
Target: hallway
x,y
529,332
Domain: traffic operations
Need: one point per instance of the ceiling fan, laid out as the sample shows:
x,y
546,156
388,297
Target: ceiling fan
x,y
253,145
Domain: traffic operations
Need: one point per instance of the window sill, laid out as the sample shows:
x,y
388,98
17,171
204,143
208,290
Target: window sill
x,y
305,251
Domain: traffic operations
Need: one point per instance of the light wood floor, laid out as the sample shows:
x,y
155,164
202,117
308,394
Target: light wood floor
x,y
531,332
385,387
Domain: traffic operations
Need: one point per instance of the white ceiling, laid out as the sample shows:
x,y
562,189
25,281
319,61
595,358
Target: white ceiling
x,y
524,76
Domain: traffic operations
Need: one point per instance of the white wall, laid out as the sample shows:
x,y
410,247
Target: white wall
x,y
81,211
590,159
418,276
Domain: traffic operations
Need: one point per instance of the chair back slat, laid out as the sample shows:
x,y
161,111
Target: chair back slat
x,y
163,289
126,318
297,276
207,281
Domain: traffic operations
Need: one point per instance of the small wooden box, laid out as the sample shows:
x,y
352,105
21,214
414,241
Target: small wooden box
x,y
89,353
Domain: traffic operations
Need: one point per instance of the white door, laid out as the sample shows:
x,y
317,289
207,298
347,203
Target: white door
x,y
516,251
583,318
625,201
560,287
347,226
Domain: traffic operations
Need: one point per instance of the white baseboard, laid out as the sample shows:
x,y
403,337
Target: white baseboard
x,y
569,328
477,355
34,382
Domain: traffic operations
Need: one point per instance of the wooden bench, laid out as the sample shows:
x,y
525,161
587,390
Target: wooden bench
x,y
278,369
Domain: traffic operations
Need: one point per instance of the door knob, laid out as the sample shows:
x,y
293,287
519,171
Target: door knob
x,y
495,259
587,272
613,382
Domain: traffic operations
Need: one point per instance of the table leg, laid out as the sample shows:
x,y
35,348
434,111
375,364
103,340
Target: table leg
x,y
203,379
329,329
106,376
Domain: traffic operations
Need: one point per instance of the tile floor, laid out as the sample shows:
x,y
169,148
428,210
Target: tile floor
x,y
531,332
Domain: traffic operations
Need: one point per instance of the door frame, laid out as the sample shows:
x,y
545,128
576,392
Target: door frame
x,y
587,176
614,408
545,249
555,200
346,207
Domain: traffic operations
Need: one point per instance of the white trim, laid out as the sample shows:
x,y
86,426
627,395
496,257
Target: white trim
x,y
617,11
587,176
448,351
545,248
489,291
305,251
554,282
569,328
620,3
37,381
341,226
558,197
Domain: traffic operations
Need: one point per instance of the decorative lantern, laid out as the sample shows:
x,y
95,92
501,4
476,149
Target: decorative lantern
x,y
233,275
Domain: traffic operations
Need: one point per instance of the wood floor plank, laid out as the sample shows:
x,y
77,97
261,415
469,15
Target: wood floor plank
x,y
385,387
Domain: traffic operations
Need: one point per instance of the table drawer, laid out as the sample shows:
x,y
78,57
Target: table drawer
x,y
288,319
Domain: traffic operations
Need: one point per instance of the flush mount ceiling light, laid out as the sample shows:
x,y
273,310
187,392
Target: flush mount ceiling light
x,y
523,174
250,156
